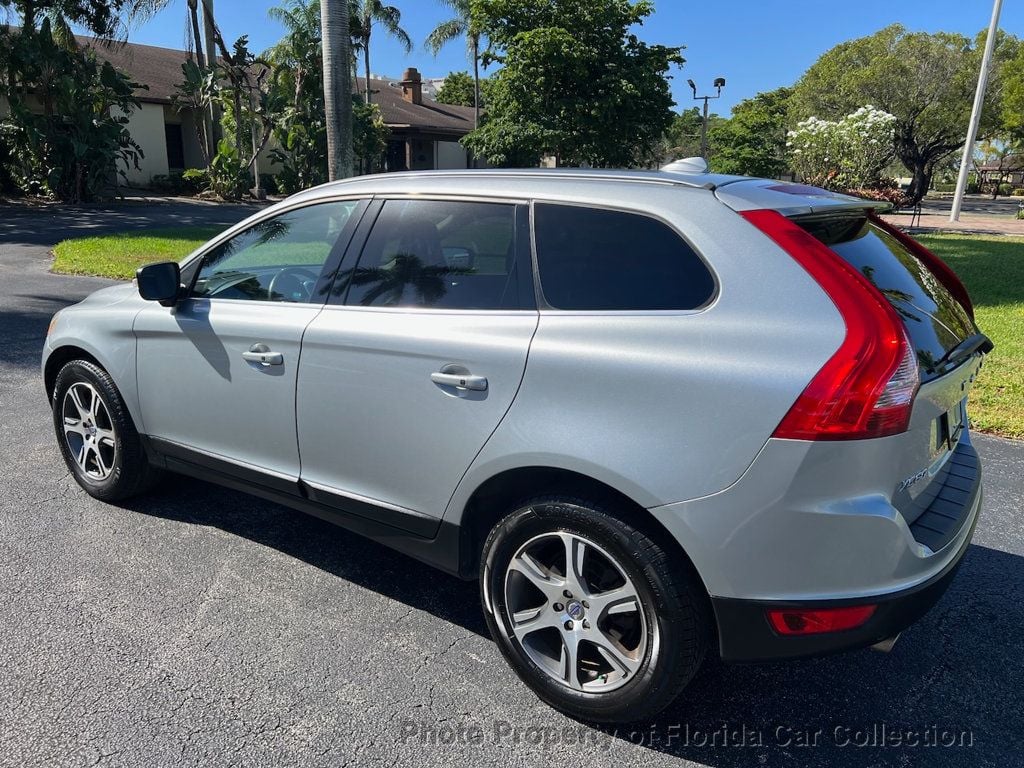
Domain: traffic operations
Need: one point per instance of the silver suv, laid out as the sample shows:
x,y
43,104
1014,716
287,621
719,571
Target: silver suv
x,y
656,414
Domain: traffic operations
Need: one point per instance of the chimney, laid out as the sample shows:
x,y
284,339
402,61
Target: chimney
x,y
412,86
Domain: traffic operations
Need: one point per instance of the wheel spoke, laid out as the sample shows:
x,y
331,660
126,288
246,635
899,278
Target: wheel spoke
x,y
106,437
615,656
73,427
76,400
570,660
575,553
529,620
536,573
624,599
81,454
101,465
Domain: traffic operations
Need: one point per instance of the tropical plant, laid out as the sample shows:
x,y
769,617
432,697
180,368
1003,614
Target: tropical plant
x,y
78,142
365,15
462,24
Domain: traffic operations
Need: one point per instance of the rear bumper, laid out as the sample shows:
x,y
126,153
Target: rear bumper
x,y
745,634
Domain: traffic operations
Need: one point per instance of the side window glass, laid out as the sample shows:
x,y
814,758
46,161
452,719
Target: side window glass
x,y
278,259
430,253
598,259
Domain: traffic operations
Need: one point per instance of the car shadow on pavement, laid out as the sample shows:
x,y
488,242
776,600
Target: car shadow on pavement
x,y
320,544
948,694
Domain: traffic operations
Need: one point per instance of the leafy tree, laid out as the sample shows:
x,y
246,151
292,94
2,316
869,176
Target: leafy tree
x,y
753,141
576,83
459,88
365,15
463,24
683,136
925,80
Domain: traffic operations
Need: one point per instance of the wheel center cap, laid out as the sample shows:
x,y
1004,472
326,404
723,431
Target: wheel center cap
x,y
90,431
575,610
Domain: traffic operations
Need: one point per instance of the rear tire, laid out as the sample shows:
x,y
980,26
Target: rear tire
x,y
637,619
96,435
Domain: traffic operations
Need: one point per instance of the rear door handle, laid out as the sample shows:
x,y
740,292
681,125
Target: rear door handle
x,y
459,380
260,353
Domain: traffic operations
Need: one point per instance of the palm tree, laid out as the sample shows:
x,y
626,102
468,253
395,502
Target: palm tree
x,y
462,25
367,13
337,40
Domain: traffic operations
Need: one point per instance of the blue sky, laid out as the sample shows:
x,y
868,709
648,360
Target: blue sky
x,y
756,45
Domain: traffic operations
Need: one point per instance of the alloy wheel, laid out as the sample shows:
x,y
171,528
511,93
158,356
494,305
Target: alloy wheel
x,y
89,431
576,613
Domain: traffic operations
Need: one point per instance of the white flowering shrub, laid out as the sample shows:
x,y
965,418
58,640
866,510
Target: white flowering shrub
x,y
849,153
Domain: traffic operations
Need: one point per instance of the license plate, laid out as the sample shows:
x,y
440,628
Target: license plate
x,y
950,425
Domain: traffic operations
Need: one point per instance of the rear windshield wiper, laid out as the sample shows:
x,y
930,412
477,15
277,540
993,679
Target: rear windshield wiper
x,y
979,342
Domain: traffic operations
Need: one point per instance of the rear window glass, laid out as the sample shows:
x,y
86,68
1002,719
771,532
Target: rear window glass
x,y
595,259
934,319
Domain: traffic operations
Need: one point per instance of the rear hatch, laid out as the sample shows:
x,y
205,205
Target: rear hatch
x,y
941,478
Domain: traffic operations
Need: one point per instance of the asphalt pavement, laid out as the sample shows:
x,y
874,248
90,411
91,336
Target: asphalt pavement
x,y
199,626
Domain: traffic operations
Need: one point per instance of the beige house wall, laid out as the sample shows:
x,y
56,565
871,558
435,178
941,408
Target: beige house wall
x,y
146,126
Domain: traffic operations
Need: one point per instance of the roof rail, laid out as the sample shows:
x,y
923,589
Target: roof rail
x,y
583,174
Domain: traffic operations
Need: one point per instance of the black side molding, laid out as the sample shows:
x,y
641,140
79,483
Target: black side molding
x,y
428,539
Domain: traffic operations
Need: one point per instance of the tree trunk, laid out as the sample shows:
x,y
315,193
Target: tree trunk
x,y
921,180
206,138
476,81
366,62
216,133
337,86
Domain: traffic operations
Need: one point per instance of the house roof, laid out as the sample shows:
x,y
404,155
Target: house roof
x,y
160,70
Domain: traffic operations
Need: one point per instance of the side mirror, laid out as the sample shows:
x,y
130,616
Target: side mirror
x,y
159,282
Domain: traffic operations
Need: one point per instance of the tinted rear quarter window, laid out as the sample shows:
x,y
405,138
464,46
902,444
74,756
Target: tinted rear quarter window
x,y
599,259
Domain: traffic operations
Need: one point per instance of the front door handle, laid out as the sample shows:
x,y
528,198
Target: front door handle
x,y
260,353
459,380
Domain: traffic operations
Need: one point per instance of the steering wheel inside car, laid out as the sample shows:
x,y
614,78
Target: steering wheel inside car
x,y
291,282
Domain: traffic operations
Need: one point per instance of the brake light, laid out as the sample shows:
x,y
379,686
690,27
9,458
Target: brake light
x,y
794,621
935,265
867,388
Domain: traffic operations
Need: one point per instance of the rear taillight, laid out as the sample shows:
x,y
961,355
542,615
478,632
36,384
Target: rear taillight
x,y
935,265
867,388
797,621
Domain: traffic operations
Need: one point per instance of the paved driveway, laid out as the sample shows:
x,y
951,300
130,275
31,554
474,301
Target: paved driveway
x,y
203,627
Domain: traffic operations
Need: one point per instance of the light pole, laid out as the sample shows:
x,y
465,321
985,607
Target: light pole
x,y
979,100
719,85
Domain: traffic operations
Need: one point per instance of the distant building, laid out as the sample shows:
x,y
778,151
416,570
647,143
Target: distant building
x,y
424,134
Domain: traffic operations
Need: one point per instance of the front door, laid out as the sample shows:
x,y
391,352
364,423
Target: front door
x,y
217,373
405,377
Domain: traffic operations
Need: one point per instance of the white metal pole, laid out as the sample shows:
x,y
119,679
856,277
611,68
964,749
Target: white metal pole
x,y
979,100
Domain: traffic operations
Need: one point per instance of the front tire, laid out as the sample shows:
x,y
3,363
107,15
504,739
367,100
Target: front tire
x,y
590,611
96,435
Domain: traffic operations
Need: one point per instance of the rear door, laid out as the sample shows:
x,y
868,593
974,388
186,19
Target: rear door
x,y
416,359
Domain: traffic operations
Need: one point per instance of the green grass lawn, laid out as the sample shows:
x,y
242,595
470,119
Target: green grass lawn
x,y
992,267
119,255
